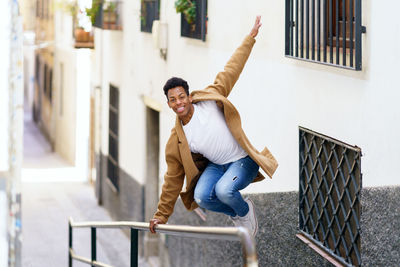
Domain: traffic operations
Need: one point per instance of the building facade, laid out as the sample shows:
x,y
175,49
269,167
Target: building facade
x,y
331,124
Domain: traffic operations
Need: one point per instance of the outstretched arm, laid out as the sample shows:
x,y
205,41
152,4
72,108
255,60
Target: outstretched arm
x,y
227,78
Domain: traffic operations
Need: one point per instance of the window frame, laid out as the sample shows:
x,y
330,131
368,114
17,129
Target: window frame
x,y
113,138
330,184
148,14
200,24
311,28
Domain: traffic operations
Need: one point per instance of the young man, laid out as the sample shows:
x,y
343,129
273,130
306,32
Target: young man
x,y
209,148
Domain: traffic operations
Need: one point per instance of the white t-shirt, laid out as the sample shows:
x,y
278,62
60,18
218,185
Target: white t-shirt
x,y
208,134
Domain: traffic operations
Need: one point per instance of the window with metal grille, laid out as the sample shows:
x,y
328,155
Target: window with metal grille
x,y
324,31
329,196
113,137
149,12
50,86
45,80
197,29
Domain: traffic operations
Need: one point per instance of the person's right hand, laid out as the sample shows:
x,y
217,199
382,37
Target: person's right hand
x,y
257,25
153,223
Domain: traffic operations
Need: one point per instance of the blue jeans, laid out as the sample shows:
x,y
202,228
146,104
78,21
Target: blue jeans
x,y
218,186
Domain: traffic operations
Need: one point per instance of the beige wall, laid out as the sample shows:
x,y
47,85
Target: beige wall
x,y
274,95
28,10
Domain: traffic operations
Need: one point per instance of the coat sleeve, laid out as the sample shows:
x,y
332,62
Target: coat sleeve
x,y
173,180
227,78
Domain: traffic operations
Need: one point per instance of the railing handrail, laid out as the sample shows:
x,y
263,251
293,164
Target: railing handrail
x,y
205,232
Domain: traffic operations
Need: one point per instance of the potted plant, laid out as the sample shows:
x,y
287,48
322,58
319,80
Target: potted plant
x,y
82,36
109,13
187,8
93,11
143,13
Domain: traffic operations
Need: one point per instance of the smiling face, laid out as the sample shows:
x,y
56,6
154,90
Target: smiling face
x,y
181,103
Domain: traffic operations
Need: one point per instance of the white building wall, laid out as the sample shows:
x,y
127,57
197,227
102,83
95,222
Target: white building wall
x,y
4,66
274,95
71,102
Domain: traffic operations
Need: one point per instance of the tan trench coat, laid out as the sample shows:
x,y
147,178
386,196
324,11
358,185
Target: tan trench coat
x,y
181,162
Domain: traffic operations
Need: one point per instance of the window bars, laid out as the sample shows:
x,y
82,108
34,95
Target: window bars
x,y
329,196
324,31
113,137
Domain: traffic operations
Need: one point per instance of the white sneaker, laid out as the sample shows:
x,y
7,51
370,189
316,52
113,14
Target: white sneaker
x,y
250,219
236,221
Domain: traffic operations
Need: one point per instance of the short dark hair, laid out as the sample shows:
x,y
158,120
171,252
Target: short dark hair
x,y
175,82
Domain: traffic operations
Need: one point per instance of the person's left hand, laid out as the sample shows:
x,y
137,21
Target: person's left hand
x,y
153,223
257,25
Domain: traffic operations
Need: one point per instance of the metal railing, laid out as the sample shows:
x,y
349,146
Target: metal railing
x,y
221,233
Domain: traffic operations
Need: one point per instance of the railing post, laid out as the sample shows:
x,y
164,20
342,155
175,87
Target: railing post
x,y
134,248
69,243
93,244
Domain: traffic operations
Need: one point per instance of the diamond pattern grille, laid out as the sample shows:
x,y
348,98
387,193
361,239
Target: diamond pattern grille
x,y
329,199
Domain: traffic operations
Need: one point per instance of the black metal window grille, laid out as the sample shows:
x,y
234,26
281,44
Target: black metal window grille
x,y
149,12
113,137
329,195
37,69
324,31
48,81
198,29
50,86
109,16
45,80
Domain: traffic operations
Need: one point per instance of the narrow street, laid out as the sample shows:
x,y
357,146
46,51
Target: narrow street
x,y
52,191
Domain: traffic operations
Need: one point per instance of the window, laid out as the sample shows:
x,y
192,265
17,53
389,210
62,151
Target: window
x,y
329,196
37,69
38,8
48,81
45,80
197,29
61,89
108,14
324,31
113,138
149,11
50,85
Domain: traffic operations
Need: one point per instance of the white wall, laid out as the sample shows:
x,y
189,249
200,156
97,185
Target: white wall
x,y
275,94
29,69
82,115
71,96
4,66
65,103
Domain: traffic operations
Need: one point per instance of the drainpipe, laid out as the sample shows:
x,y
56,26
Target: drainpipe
x,y
15,136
